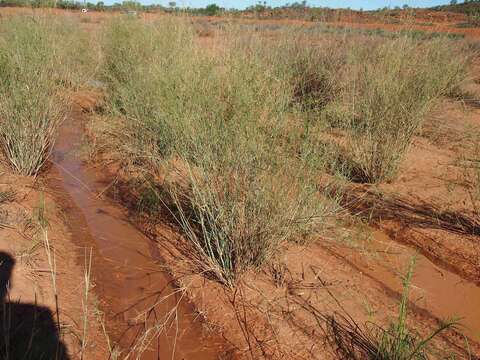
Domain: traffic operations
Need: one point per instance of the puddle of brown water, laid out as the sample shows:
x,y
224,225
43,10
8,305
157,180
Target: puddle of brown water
x,y
440,292
128,281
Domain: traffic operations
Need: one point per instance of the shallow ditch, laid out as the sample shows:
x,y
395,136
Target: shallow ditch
x,y
135,294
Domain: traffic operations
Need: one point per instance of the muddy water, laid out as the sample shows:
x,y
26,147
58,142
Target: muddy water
x,y
134,293
440,292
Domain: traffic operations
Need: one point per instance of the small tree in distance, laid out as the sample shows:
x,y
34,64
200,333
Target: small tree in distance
x,y
212,9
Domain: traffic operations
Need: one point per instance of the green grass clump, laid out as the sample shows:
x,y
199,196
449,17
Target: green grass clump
x,y
310,69
373,92
387,91
218,127
147,73
35,64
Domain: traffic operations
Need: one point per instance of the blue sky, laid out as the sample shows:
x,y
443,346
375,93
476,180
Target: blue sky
x,y
354,4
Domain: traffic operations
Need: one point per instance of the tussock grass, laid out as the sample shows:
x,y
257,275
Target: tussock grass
x,y
373,92
311,68
394,86
36,61
29,112
219,128
143,67
386,89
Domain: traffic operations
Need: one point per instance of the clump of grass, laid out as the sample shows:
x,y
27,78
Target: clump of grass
x,y
389,89
29,110
35,63
218,128
375,91
239,218
146,72
311,69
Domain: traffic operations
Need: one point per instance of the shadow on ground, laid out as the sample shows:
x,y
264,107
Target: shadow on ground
x,y
377,207
27,331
